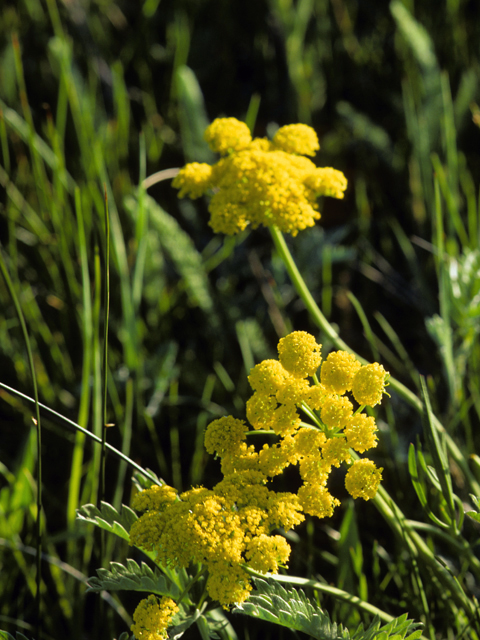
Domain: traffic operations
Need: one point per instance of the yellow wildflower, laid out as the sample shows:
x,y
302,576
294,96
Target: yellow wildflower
x,y
314,470
284,510
228,584
193,180
155,498
152,617
299,354
308,441
363,479
225,435
242,459
360,432
225,135
317,501
336,411
335,451
293,392
268,377
286,420
369,384
338,370
297,138
326,181
315,396
258,182
260,410
146,532
266,553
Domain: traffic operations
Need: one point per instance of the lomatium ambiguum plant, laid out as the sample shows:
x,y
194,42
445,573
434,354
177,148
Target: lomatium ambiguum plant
x,y
231,527
261,182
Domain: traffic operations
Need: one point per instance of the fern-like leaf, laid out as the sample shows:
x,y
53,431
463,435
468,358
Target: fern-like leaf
x,y
108,518
291,608
4,635
133,577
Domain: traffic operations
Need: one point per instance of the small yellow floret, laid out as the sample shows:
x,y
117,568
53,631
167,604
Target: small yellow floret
x,y
363,479
336,411
314,471
228,584
225,135
368,384
286,420
300,354
338,370
317,501
152,618
293,392
268,377
316,396
260,410
297,138
266,553
155,498
335,451
308,441
225,435
360,432
326,181
193,180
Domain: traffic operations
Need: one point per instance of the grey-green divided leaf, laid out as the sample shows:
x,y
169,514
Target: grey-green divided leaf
x,y
4,635
291,608
108,518
397,629
133,577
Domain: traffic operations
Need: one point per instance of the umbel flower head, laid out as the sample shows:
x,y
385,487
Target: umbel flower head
x,y
233,525
261,182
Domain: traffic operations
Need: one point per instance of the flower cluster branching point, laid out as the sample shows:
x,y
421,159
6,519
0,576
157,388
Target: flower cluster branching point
x,y
258,182
232,525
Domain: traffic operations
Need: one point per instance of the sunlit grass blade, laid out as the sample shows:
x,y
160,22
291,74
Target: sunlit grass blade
x,y
38,428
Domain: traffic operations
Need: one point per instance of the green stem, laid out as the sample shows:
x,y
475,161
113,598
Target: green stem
x,y
73,426
419,548
37,422
322,322
106,310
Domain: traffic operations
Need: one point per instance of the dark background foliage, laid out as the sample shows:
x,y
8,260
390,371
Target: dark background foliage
x,y
153,74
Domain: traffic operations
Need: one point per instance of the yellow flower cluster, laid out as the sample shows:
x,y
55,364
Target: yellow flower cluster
x,y
152,617
231,525
259,182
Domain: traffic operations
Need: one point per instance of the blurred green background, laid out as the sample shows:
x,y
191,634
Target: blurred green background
x,y
98,92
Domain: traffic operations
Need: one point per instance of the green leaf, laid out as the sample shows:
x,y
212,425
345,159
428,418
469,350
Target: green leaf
x,y
133,577
4,635
182,251
108,518
474,514
291,608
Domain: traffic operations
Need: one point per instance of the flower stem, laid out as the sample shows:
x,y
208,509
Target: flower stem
x,y
323,324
